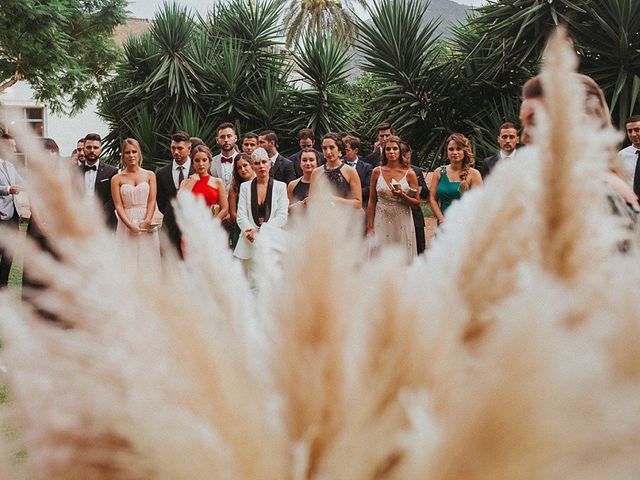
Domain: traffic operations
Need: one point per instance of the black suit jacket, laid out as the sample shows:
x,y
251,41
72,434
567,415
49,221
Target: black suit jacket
x,y
102,191
166,192
373,158
364,170
488,164
295,159
416,212
283,170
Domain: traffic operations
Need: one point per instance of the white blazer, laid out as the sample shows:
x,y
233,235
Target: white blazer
x,y
8,176
277,217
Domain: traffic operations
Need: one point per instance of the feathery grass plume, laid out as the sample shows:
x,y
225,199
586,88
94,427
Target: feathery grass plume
x,y
510,364
517,213
564,137
536,398
351,343
144,385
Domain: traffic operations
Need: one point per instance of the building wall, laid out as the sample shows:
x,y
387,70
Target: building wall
x,y
64,129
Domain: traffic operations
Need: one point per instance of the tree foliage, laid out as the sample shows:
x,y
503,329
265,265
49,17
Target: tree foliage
x,y
192,73
62,48
323,61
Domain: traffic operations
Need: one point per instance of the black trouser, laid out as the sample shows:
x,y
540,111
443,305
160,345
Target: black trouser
x,y
418,224
10,228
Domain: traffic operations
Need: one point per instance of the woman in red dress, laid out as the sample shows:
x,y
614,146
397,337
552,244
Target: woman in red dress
x,y
204,185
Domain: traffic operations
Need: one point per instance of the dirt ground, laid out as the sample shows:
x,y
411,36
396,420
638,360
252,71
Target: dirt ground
x,y
429,229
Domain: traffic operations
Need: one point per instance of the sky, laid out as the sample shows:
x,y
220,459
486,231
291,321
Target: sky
x,y
146,8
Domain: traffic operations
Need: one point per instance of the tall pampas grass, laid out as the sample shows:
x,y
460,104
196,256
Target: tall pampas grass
x,y
510,351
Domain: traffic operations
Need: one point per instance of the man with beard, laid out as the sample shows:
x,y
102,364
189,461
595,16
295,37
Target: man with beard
x,y
97,177
168,179
630,155
77,156
222,164
508,141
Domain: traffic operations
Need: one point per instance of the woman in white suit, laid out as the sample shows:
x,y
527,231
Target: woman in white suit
x,y
262,202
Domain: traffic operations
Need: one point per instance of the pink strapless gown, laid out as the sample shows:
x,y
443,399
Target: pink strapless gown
x,y
134,199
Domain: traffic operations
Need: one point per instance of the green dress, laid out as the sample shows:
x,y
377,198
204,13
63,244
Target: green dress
x,y
447,191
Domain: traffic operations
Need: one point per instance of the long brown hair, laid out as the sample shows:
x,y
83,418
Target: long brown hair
x,y
398,141
467,161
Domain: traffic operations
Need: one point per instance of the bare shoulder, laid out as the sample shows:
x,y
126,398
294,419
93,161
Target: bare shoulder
x,y
293,183
216,182
476,177
316,172
118,178
349,172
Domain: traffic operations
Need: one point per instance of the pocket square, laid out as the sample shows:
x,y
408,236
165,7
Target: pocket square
x,y
104,180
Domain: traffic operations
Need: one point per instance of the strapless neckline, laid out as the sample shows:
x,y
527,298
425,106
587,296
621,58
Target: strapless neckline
x,y
134,186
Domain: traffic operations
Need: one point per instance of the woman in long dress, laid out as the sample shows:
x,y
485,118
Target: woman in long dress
x,y
134,196
393,191
449,182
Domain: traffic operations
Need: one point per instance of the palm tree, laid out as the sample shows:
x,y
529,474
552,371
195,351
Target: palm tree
x,y
191,74
320,16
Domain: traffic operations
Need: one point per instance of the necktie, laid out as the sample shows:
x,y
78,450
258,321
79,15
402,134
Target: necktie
x,y
636,176
180,175
226,159
86,167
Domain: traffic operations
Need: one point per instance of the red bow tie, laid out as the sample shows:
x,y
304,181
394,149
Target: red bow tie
x,y
226,159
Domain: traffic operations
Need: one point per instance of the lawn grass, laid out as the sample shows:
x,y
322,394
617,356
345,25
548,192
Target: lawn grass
x,y
15,275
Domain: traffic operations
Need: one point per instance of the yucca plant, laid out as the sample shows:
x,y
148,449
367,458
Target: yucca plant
x,y
606,36
402,51
608,42
193,73
322,61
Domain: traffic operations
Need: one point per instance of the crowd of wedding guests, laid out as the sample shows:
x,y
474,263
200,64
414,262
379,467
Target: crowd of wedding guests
x,y
250,187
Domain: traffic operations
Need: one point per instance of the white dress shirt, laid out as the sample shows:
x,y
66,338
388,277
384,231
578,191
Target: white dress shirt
x,y
223,170
176,172
504,155
629,158
90,180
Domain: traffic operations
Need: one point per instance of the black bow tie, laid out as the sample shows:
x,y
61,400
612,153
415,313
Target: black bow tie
x,y
86,167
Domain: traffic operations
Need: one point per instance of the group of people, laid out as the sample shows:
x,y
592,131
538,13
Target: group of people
x,y
249,186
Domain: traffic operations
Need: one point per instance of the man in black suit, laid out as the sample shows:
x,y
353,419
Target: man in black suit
x,y
351,157
306,139
385,130
508,141
97,177
281,167
168,178
416,212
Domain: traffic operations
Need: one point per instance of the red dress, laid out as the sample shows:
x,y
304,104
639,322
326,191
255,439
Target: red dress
x,y
203,189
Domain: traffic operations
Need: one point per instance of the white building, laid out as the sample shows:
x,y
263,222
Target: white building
x,y
18,103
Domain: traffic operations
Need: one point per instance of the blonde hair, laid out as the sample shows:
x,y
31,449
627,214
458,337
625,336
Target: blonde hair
x,y
134,142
